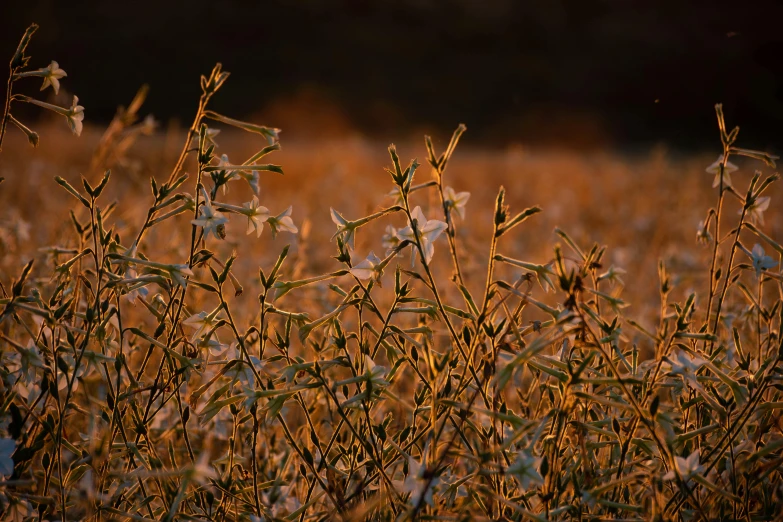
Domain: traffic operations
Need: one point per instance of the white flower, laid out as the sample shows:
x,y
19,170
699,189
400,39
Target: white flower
x,y
203,322
256,216
390,239
63,379
7,447
685,467
52,75
525,469
75,116
220,350
211,220
179,273
344,226
417,484
26,362
757,208
428,231
136,289
366,269
253,179
373,374
30,392
282,222
542,275
686,366
613,276
222,162
715,169
456,200
16,509
761,261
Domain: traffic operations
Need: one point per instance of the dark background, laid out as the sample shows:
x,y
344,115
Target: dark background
x,y
587,73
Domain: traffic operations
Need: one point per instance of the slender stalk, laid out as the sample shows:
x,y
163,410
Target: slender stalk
x,y
714,261
7,105
725,286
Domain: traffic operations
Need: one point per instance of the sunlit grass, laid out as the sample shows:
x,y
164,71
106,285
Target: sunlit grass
x,y
208,326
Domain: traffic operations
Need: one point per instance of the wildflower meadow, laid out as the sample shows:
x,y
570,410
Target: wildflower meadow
x,y
188,334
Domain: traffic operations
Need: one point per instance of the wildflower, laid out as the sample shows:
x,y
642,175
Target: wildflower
x,y
228,176
390,239
728,169
703,235
756,209
373,374
417,483
761,261
219,350
428,231
367,268
685,468
613,276
7,447
136,290
211,133
211,220
203,322
63,378
282,222
52,75
456,200
95,360
256,216
179,273
16,508
253,179
30,392
242,371
525,470
686,366
74,115
344,226
27,362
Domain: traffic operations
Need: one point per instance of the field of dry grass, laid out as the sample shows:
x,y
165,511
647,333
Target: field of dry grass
x,y
646,206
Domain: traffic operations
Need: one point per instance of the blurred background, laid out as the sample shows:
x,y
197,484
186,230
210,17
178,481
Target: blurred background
x,y
584,74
